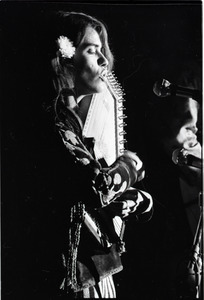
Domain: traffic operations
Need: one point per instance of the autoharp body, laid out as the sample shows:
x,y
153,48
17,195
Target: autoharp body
x,y
105,123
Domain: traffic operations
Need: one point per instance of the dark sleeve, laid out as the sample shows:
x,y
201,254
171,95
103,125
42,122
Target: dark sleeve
x,y
103,184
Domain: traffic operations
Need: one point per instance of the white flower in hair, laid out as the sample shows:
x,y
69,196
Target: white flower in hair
x,y
66,47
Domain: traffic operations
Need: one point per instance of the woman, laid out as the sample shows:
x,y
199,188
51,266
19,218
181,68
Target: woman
x,y
174,129
84,188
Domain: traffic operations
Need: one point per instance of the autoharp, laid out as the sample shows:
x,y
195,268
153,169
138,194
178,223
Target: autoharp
x,y
105,123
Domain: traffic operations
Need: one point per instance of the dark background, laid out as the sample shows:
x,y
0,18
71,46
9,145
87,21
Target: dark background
x,y
150,40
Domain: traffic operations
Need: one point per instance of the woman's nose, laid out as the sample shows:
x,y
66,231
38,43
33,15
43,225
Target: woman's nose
x,y
193,128
102,61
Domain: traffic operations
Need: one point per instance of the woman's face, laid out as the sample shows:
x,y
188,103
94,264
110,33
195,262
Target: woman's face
x,y
183,126
185,133
90,63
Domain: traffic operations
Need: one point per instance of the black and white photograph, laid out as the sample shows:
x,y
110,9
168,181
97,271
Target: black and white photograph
x,y
101,150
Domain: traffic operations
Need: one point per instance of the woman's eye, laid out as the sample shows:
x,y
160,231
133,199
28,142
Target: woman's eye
x,y
91,50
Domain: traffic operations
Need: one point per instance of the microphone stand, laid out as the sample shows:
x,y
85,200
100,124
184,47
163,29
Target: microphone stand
x,y
195,263
193,274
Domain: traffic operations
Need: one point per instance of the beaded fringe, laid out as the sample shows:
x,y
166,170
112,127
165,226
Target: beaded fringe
x,y
77,212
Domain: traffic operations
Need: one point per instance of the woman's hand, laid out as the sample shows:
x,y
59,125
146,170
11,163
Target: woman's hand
x,y
137,164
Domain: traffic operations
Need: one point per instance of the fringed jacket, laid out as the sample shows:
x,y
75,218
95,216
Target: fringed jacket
x,y
91,248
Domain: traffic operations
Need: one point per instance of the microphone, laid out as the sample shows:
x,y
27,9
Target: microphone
x,y
163,88
181,158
